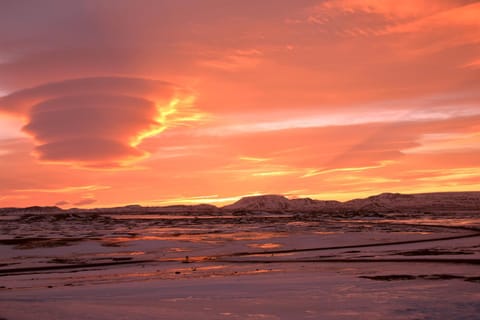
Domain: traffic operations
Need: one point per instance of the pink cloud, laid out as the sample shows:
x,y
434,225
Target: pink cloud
x,y
335,96
94,121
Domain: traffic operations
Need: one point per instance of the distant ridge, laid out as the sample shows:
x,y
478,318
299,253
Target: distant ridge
x,y
385,202
281,203
382,203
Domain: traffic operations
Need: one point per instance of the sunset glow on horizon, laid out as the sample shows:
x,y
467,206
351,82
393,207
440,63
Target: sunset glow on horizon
x,y
184,102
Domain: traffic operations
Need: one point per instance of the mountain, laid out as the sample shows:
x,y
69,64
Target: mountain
x,y
281,203
265,202
439,201
382,203
199,209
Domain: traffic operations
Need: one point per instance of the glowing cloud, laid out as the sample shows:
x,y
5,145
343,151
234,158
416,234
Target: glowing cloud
x,y
331,98
98,121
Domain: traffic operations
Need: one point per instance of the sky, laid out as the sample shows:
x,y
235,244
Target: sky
x,y
156,102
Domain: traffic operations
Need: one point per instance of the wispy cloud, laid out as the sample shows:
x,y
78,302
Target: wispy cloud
x,y
208,199
66,189
85,202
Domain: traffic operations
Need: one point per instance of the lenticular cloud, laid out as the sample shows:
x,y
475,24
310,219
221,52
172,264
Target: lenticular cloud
x,y
93,121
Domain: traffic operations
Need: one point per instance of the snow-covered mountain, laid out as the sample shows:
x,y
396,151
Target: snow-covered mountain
x,y
281,203
265,202
439,201
385,202
382,203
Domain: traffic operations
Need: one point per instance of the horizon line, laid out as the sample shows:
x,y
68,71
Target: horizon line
x,y
191,201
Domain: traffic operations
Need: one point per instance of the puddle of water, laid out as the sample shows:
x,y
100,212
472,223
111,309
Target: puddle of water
x,y
265,245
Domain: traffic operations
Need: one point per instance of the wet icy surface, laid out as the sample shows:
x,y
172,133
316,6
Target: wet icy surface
x,y
239,267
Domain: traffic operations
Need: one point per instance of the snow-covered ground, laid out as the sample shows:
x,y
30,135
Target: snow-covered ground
x,y
80,266
322,292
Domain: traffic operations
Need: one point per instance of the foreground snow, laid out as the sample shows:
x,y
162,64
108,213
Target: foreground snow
x,y
267,267
310,293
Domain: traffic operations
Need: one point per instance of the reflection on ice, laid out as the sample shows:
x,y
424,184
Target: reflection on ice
x,y
279,260
265,245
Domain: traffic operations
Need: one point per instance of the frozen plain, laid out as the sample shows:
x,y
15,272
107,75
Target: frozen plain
x,y
282,266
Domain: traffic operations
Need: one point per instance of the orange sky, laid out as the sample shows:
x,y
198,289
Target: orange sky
x,y
163,102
